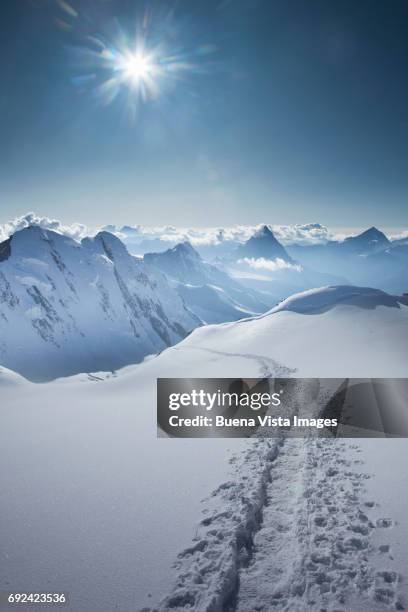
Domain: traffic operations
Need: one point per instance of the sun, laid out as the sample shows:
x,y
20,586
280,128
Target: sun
x,y
142,72
137,67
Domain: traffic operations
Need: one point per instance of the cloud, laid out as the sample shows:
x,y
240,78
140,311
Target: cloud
x,y
303,234
311,233
269,264
75,230
401,236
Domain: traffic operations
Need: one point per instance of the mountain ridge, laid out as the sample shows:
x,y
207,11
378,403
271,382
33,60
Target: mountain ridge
x,y
78,306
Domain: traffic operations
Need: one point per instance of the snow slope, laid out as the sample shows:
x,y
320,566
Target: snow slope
x,y
332,331
68,307
106,506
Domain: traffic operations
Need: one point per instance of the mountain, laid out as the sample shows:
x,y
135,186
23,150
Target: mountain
x,y
388,269
68,306
264,265
208,291
262,245
184,264
370,241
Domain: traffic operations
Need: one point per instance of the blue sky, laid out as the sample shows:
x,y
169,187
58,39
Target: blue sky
x,y
286,112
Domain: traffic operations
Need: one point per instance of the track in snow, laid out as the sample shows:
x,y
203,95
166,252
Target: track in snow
x,y
313,550
292,531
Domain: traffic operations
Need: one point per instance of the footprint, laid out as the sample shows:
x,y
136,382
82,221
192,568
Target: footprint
x,y
384,548
320,558
384,595
384,523
331,472
388,576
362,529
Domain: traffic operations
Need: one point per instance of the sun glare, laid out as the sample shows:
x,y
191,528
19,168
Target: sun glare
x,y
138,70
137,67
142,71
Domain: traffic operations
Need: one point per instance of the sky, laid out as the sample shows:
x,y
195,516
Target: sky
x,y
289,111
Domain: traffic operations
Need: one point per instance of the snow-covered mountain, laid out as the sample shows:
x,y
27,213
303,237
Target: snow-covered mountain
x,y
370,241
68,307
262,244
184,264
209,292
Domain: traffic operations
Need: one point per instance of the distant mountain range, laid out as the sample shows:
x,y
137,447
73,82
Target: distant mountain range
x,y
369,258
69,306
263,264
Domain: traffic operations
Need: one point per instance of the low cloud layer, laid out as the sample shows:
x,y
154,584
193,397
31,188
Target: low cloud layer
x,y
400,236
312,233
309,233
270,265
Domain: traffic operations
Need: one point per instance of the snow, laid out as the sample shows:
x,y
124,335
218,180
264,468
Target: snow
x,y
319,343
389,488
322,299
95,504
88,500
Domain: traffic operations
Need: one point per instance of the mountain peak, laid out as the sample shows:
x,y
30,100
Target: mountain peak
x,y
110,244
370,240
185,248
263,232
34,238
262,244
33,231
373,232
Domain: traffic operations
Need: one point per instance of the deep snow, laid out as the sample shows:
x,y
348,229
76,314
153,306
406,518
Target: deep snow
x,y
93,503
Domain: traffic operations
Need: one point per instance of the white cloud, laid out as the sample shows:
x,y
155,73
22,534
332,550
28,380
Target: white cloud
x,y
401,236
311,233
76,230
269,264
304,234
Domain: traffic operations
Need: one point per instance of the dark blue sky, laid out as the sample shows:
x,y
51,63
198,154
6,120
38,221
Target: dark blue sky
x,y
291,111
